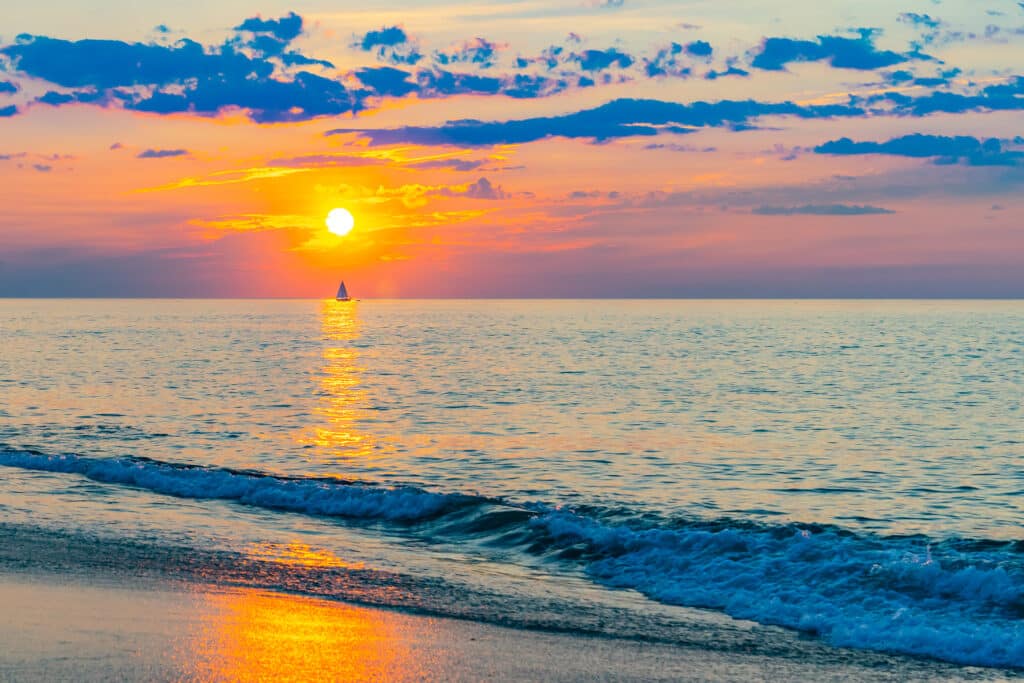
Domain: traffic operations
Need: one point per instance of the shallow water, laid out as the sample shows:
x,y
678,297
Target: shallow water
x,y
850,469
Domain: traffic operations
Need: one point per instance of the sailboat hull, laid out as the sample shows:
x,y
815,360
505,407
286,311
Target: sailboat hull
x,y
347,298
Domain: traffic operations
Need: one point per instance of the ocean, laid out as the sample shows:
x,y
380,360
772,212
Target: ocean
x,y
722,474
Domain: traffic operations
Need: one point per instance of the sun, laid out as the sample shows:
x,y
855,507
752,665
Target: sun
x,y
340,222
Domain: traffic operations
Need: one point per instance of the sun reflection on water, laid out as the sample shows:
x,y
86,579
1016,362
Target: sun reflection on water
x,y
343,400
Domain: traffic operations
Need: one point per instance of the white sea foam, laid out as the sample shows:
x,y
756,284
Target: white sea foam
x,y
310,496
892,594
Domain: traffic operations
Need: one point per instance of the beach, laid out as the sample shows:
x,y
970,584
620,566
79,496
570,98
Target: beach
x,y
56,627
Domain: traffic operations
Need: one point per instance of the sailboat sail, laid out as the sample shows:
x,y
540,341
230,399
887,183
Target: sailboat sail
x,y
342,292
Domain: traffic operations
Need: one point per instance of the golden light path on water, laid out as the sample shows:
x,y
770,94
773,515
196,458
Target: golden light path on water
x,y
342,399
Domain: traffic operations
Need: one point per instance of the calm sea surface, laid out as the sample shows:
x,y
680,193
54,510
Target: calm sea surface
x,y
850,469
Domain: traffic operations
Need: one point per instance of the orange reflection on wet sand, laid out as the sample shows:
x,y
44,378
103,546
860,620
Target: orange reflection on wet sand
x,y
262,636
299,555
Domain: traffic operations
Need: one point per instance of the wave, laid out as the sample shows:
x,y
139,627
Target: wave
x,y
956,600
327,497
893,594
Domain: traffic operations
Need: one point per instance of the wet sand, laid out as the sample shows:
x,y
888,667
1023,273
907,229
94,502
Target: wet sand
x,y
56,628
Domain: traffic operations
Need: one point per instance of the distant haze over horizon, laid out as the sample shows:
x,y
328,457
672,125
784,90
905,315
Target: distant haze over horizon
x,y
575,148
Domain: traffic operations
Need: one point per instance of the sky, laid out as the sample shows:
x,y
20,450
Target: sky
x,y
558,148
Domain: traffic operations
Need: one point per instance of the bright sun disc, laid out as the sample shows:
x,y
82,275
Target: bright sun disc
x,y
340,222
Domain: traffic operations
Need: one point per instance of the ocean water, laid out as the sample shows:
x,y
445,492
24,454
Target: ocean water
x,y
680,471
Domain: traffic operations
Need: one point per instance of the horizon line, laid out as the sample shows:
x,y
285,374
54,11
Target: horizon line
x,y
517,298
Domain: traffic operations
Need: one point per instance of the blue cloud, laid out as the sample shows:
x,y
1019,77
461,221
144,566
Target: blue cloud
x,y
161,153
942,149
386,36
477,51
268,100
391,44
999,97
840,52
821,210
730,70
385,80
113,63
525,86
285,29
438,83
667,62
8,88
183,77
56,99
617,119
599,60
917,19
699,48
9,110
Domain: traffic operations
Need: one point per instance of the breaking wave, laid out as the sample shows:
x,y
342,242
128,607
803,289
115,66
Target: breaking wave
x,y
328,497
960,600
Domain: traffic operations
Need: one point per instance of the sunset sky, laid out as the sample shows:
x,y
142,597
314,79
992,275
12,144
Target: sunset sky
x,y
557,148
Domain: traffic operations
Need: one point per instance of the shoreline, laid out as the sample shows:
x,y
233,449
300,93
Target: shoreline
x,y
96,629
95,626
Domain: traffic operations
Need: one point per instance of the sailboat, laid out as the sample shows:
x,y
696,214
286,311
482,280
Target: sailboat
x,y
343,293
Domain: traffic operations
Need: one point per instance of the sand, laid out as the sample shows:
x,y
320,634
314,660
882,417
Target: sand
x,y
54,628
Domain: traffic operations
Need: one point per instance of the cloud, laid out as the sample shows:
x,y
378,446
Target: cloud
x,y
42,168
323,160
926,22
844,53
286,28
942,149
730,70
699,48
267,100
599,60
477,51
667,62
452,164
441,83
999,97
417,195
821,210
617,119
391,44
179,78
113,63
8,88
676,147
385,80
161,153
386,36
271,37
904,77
9,110
483,189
